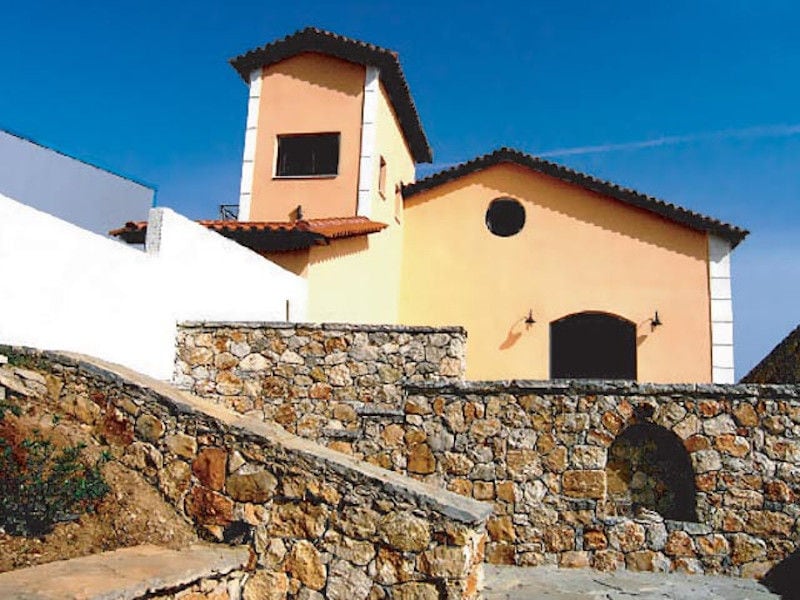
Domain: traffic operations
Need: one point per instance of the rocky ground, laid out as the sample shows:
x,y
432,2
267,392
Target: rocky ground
x,y
132,513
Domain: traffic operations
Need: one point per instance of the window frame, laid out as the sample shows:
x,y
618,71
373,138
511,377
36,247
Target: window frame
x,y
281,136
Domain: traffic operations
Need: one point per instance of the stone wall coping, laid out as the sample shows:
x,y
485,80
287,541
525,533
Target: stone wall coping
x,y
601,387
122,574
367,328
449,504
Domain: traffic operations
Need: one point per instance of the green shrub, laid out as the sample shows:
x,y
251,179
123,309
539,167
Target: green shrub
x,y
41,485
21,359
8,406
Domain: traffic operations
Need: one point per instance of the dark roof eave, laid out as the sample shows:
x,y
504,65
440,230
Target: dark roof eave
x,y
312,39
258,241
130,236
665,209
273,241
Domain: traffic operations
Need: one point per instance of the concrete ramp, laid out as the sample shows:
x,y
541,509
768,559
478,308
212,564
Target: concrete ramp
x,y
127,574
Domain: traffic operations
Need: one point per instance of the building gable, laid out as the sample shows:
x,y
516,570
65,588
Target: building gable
x,y
627,196
577,252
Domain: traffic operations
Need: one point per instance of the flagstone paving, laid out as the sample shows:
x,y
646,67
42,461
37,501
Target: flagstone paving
x,y
551,583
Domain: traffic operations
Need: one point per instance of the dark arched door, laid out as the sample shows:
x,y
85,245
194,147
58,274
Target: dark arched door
x,y
592,345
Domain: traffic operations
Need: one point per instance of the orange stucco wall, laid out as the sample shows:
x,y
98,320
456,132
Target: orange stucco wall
x,y
578,252
308,93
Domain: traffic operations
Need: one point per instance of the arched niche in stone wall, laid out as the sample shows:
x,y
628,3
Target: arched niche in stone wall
x,y
648,467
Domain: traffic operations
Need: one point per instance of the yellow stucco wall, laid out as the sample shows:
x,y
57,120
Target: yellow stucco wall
x,y
578,251
295,261
308,93
358,280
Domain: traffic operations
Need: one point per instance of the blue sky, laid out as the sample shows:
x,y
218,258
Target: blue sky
x,y
693,102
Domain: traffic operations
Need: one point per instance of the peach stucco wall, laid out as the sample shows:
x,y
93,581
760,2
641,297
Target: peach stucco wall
x,y
308,93
578,252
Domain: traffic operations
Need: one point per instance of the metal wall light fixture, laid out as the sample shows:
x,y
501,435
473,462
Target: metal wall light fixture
x,y
529,320
655,322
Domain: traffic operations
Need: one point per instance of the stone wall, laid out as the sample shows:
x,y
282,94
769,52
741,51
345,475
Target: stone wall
x,y
540,452
579,473
310,378
318,523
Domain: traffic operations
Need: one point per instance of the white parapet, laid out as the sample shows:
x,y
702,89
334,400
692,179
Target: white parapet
x,y
66,288
219,280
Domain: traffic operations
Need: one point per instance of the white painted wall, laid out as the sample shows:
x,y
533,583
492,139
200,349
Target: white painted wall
x,y
75,191
64,288
215,279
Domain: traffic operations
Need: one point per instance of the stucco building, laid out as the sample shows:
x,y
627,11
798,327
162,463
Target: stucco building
x,y
69,188
554,273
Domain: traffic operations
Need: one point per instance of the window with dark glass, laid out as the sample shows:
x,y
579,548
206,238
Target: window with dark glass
x,y
505,217
306,155
382,178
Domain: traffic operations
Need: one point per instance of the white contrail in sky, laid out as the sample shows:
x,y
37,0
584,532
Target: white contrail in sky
x,y
748,133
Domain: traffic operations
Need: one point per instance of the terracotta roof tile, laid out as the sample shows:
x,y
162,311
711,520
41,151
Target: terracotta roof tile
x,y
345,227
271,235
670,211
312,39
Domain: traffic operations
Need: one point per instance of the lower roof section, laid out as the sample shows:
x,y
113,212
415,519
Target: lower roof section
x,y
266,236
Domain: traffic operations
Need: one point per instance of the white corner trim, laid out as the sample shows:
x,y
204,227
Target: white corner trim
x,y
369,156
719,286
152,240
249,155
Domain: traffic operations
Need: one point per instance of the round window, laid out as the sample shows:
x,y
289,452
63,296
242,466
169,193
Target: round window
x,y
505,217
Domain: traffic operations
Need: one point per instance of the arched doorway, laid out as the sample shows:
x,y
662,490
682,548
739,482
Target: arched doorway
x,y
592,345
649,467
